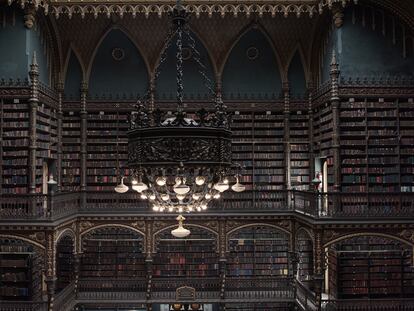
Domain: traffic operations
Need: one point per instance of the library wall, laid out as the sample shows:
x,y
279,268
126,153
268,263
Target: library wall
x,y
21,266
370,267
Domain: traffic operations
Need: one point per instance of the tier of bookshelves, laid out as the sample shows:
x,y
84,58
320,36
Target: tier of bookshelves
x,y
304,247
112,252
259,306
65,265
376,145
299,150
71,151
258,251
372,267
194,256
20,276
107,149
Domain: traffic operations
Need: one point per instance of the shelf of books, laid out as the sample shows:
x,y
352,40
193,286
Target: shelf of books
x,y
71,151
406,115
20,276
304,246
107,143
195,256
332,289
373,267
65,264
323,127
258,251
299,150
353,138
268,157
46,141
112,252
15,145
383,145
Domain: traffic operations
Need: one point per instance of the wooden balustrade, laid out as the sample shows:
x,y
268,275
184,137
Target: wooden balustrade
x,y
368,305
22,306
65,300
305,298
315,205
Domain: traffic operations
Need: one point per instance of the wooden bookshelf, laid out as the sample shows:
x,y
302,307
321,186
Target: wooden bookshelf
x,y
65,264
406,130
373,267
259,306
304,247
258,251
299,150
195,256
71,151
20,271
112,252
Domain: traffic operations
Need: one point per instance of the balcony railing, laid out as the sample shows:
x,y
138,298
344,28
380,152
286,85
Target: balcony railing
x,y
315,205
22,306
368,305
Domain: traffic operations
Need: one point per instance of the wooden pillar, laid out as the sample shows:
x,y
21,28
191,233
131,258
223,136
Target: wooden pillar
x,y
83,138
33,104
149,250
59,136
50,269
286,131
222,243
319,258
334,73
310,136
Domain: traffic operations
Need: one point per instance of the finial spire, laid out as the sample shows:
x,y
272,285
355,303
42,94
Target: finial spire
x,y
333,61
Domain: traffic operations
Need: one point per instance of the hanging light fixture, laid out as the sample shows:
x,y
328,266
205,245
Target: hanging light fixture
x,y
180,232
180,162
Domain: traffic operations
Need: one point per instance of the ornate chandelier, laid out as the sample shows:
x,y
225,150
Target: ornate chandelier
x,y
180,162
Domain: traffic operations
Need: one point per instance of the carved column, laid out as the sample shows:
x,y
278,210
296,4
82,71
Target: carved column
x,y
219,88
223,258
286,131
318,277
59,88
310,135
334,73
33,103
83,130
77,258
50,269
148,259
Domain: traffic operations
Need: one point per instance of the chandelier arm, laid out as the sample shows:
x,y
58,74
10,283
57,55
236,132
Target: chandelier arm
x,y
202,69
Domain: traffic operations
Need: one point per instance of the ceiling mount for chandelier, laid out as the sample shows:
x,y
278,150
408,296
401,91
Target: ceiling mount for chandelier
x,y
181,162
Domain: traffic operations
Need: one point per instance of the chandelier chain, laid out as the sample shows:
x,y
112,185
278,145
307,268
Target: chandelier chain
x,y
180,86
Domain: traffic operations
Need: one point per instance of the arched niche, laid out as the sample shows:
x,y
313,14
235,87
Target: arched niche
x,y
195,256
251,70
304,249
258,251
384,52
194,83
296,77
73,79
118,69
16,58
369,266
22,270
65,262
110,254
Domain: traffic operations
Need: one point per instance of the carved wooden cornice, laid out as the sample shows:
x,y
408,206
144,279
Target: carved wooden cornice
x,y
196,7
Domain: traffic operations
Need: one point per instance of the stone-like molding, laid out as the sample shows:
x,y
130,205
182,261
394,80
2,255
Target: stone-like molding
x,y
196,7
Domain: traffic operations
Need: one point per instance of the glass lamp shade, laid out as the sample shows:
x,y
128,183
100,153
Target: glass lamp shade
x,y
196,196
200,180
152,197
121,188
208,196
155,208
180,196
238,187
180,232
182,189
221,186
216,196
51,181
139,187
161,181
165,197
204,206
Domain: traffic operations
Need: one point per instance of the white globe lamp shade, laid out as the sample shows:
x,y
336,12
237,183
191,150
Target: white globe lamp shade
x,y
221,186
161,181
121,188
200,180
182,189
139,187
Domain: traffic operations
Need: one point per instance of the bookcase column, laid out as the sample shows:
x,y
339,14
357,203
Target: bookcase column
x,y
50,257
148,258
334,73
319,260
77,258
33,103
286,132
83,130
59,88
310,134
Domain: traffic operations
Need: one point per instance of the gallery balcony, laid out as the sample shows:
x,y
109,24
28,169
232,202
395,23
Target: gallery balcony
x,y
317,206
